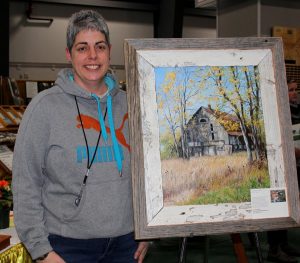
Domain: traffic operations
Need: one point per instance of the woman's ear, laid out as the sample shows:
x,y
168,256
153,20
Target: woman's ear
x,y
68,55
109,51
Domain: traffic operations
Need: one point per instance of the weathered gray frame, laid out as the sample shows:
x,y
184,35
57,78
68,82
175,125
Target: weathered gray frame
x,y
143,124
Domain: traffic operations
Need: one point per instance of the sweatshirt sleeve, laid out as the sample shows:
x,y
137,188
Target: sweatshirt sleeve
x,y
28,178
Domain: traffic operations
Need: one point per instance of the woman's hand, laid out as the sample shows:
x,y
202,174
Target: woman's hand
x,y
52,258
141,251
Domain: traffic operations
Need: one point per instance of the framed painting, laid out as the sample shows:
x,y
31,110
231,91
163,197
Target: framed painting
x,y
211,135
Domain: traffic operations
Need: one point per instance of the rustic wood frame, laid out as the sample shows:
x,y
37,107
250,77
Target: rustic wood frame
x,y
141,56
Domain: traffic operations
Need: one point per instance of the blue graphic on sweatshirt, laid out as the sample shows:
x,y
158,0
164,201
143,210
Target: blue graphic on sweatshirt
x,y
104,154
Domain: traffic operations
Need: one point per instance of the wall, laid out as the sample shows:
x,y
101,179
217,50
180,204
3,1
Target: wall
x,y
33,42
237,19
199,27
37,50
255,17
279,15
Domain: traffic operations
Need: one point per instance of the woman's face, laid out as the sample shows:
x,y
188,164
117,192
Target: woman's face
x,y
90,57
293,92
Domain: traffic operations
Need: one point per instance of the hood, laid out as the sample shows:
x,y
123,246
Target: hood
x,y
66,83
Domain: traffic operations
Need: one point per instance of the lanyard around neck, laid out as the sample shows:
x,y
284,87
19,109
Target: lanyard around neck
x,y
89,163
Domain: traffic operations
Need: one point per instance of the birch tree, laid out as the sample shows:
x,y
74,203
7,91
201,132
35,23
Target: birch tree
x,y
179,90
238,89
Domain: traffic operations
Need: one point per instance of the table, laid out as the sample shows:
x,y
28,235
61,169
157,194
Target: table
x,y
16,252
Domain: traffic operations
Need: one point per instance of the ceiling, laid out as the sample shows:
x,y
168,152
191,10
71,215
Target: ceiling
x,y
191,7
211,4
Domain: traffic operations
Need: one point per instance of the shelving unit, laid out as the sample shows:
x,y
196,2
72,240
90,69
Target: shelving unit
x,y
6,158
10,117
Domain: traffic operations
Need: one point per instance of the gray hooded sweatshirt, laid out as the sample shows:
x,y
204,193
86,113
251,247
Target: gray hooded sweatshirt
x,y
50,162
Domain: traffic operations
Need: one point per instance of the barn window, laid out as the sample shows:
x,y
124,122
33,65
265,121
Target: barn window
x,y
212,132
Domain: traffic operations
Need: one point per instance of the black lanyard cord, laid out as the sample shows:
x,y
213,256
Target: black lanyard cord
x,y
89,164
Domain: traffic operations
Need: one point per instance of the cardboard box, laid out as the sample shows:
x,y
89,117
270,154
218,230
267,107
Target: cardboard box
x,y
288,34
291,43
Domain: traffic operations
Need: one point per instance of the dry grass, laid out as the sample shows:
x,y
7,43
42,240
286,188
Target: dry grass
x,y
184,181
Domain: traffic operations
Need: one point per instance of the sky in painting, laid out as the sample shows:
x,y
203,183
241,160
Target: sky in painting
x,y
200,86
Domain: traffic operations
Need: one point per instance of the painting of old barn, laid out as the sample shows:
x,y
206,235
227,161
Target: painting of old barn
x,y
212,137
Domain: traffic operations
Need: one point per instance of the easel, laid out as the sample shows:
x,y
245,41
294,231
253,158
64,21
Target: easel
x,y
237,245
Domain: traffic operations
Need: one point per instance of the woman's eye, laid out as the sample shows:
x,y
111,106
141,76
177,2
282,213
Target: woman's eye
x,y
81,49
101,47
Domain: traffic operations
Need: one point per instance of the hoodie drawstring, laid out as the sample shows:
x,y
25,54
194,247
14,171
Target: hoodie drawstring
x,y
113,135
110,83
100,118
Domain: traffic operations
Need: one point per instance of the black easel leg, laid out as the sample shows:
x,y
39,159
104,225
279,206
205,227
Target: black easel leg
x,y
206,249
182,252
258,248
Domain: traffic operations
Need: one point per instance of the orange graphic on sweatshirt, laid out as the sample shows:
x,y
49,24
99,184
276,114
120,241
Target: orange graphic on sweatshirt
x,y
91,123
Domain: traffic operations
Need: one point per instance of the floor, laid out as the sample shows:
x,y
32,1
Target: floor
x,y
220,249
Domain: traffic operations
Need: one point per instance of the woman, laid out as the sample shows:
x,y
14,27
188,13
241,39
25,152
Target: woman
x,y
72,181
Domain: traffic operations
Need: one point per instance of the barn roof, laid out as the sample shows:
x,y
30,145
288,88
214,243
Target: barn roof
x,y
219,115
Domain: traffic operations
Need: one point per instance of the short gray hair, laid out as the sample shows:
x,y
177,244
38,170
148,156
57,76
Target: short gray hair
x,y
85,20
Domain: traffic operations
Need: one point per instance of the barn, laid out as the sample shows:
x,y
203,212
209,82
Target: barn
x,y
207,135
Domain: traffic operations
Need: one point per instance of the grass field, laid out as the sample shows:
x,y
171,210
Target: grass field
x,y
212,179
